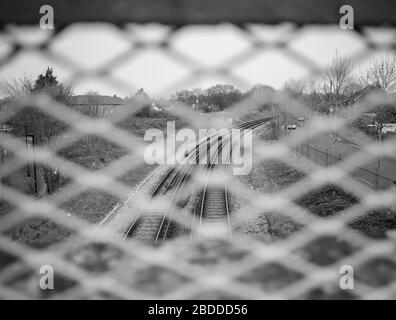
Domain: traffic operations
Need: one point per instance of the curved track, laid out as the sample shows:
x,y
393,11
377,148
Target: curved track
x,y
212,206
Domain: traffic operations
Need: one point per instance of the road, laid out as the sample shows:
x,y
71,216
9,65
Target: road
x,y
342,148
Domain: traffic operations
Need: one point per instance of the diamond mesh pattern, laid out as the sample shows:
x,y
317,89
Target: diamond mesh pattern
x,y
93,263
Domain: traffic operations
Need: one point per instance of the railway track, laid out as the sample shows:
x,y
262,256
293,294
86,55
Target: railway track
x,y
144,228
212,206
153,227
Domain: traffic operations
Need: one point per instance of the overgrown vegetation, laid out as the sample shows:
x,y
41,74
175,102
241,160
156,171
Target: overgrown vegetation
x,y
92,205
273,176
39,232
31,120
327,201
138,125
93,152
376,223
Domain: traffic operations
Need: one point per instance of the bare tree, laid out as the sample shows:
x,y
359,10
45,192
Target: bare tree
x,y
374,125
42,125
294,88
93,100
336,77
314,98
381,74
93,110
384,114
18,87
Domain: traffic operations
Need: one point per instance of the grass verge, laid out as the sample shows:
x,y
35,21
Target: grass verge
x,y
93,153
330,200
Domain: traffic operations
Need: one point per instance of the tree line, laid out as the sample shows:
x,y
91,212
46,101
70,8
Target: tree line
x,y
338,87
218,97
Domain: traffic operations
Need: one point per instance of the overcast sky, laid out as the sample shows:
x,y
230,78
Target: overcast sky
x,y
86,47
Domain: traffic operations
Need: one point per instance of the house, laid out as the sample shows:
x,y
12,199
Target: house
x,y
97,105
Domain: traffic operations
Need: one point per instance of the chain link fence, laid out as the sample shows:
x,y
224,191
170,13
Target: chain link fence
x,y
319,218
369,175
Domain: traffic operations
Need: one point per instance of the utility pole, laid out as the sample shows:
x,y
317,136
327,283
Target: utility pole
x,y
30,139
285,120
277,126
26,141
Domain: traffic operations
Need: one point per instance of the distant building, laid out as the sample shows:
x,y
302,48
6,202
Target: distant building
x,y
389,127
97,105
